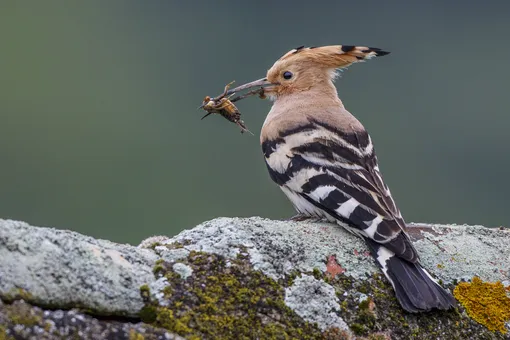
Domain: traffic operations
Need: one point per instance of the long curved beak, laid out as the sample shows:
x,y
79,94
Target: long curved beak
x,y
257,83
260,84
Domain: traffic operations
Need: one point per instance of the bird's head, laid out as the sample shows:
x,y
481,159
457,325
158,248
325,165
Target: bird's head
x,y
304,68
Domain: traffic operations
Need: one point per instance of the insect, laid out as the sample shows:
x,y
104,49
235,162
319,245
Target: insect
x,y
225,107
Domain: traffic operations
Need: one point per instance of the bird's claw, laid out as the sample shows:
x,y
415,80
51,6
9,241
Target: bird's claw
x,y
299,218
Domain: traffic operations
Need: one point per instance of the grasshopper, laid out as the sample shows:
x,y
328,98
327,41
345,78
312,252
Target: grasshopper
x,y
224,106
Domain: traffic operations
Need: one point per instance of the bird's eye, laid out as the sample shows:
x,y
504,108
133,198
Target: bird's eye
x,y
287,75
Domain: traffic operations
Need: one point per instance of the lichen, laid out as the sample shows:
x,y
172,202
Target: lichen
x,y
370,309
228,299
224,302
134,335
485,302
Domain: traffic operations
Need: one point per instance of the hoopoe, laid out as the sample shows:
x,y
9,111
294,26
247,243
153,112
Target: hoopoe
x,y
324,161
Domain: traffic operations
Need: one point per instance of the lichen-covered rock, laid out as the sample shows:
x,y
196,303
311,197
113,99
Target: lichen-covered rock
x,y
233,278
494,297
315,301
20,320
320,264
223,299
64,269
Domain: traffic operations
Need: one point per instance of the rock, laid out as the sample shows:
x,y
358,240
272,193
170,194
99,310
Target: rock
x,y
62,269
315,301
35,323
245,278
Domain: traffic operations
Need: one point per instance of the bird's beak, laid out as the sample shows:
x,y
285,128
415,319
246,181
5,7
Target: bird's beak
x,y
260,83
261,86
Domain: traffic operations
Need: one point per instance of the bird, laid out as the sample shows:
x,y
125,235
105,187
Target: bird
x,y
324,161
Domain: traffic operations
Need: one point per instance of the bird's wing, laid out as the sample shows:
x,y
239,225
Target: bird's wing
x,y
338,173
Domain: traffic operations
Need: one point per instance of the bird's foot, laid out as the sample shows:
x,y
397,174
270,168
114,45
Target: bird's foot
x,y
300,217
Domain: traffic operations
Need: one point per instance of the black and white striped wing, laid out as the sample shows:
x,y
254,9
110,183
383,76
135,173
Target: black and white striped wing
x,y
333,174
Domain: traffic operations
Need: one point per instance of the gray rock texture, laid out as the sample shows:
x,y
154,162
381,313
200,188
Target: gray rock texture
x,y
66,269
279,278
280,247
38,324
315,301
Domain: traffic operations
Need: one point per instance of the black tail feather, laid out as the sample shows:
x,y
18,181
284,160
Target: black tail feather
x,y
414,287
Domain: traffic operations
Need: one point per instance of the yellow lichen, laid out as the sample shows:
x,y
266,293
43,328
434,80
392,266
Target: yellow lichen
x,y
485,302
134,335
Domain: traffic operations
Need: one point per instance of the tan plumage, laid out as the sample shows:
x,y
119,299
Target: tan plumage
x,y
311,90
323,159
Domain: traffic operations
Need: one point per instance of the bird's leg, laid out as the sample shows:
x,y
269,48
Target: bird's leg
x,y
225,93
226,89
208,113
259,92
300,217
223,103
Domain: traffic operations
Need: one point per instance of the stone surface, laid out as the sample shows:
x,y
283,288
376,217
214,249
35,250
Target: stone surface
x,y
315,301
451,252
63,268
38,324
318,280
461,252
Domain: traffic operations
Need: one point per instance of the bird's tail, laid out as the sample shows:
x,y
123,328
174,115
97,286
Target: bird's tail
x,y
415,289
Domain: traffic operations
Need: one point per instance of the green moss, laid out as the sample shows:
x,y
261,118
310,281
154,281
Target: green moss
x,y
145,292
22,314
364,287
485,302
377,337
317,273
154,245
167,291
358,329
365,303
234,301
365,314
336,334
157,269
148,314
381,313
223,302
16,294
178,245
3,334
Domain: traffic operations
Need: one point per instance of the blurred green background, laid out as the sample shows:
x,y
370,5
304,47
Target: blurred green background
x,y
100,132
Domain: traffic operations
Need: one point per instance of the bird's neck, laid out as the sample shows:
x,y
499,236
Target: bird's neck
x,y
322,93
291,110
